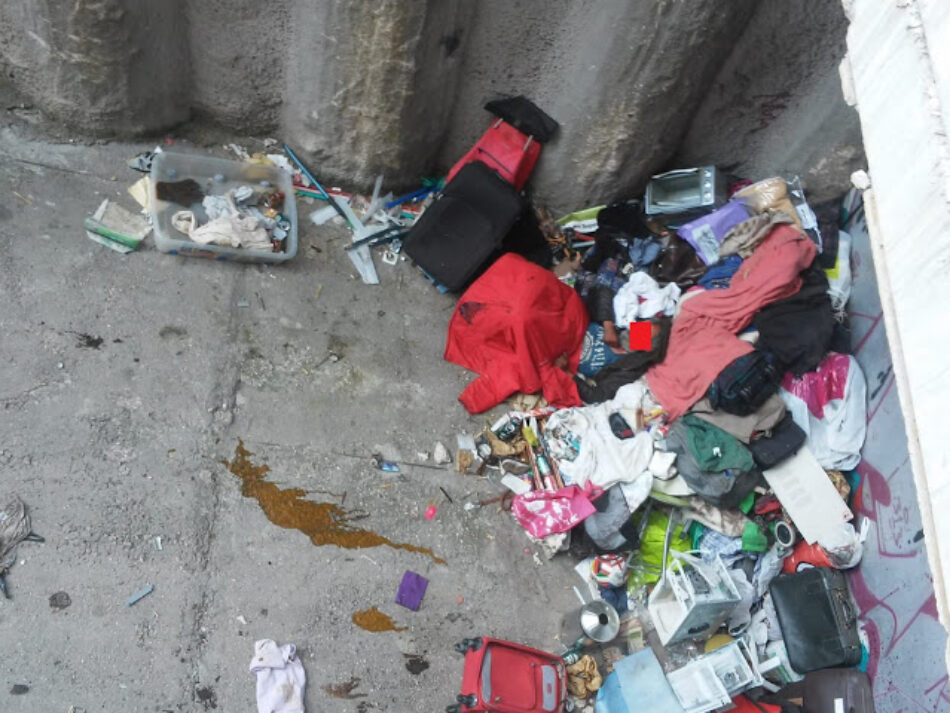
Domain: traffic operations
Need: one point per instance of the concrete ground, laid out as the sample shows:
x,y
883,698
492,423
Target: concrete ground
x,y
115,444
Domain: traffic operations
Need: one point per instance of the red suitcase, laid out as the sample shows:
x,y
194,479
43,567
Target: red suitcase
x,y
502,677
506,150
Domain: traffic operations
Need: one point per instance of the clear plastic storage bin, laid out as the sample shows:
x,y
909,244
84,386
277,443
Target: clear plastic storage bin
x,y
209,172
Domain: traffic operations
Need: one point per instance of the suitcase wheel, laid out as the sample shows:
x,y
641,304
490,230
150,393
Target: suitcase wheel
x,y
466,645
454,708
470,700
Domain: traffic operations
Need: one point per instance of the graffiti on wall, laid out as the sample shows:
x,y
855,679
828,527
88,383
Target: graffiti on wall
x,y
893,587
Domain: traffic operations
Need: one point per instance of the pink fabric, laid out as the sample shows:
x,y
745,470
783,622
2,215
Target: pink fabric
x,y
820,387
546,512
510,326
703,342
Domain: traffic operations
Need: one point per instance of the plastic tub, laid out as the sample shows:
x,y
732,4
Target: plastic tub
x,y
203,169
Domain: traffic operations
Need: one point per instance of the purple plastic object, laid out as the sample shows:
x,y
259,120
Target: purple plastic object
x,y
411,590
706,233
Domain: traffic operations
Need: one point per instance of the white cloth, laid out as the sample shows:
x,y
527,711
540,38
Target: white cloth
x,y
280,677
662,465
603,459
236,231
218,206
641,298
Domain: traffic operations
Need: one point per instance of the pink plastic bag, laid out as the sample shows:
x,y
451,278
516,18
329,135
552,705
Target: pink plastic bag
x,y
830,405
546,512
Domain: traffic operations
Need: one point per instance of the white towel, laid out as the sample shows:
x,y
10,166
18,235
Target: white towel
x,y
280,677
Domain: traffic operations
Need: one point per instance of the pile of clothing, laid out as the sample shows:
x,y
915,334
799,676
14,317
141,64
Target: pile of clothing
x,y
700,396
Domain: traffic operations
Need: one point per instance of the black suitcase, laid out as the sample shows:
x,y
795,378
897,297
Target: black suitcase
x,y
820,691
818,619
464,229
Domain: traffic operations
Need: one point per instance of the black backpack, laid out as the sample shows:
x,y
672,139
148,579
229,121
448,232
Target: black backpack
x,y
745,384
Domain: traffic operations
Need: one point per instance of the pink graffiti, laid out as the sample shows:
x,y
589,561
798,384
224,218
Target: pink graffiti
x,y
875,500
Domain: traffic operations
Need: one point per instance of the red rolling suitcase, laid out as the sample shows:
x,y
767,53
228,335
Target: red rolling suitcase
x,y
506,150
502,677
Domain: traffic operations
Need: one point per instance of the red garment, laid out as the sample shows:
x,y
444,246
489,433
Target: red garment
x,y
510,326
744,705
703,342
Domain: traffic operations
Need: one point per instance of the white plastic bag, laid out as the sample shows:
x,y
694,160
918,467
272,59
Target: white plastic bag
x,y
839,277
844,546
829,404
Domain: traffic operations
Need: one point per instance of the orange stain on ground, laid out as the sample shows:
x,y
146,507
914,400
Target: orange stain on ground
x,y
374,620
323,523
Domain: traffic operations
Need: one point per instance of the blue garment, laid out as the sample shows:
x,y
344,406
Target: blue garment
x,y
595,354
615,596
719,275
643,252
608,275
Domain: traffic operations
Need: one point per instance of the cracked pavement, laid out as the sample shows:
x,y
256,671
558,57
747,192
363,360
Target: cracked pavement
x,y
117,444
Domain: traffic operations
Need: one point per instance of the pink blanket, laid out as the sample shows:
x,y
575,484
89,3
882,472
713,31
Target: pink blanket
x,y
703,341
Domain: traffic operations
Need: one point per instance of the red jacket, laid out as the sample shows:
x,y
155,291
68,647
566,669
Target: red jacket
x,y
509,327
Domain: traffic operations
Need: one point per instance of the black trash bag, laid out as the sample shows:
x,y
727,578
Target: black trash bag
x,y
828,215
524,115
799,329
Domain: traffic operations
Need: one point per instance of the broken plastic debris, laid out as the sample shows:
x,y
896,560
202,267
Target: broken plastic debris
x,y
384,465
323,215
362,260
116,228
141,594
440,454
515,484
430,512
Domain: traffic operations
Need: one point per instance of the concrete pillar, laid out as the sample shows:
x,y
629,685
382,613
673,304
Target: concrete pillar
x,y
391,86
371,85
104,67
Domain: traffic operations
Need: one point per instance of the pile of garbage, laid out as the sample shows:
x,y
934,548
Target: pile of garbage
x,y
697,419
698,423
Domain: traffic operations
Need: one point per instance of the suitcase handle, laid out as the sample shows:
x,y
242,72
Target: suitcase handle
x,y
848,609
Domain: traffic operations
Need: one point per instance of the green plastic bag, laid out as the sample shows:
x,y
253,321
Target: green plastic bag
x,y
645,565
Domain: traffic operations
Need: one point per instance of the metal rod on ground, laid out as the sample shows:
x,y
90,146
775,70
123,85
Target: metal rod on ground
x,y
336,206
383,236
398,462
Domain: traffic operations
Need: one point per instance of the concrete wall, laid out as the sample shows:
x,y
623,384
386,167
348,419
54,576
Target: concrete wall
x,y
776,105
395,86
